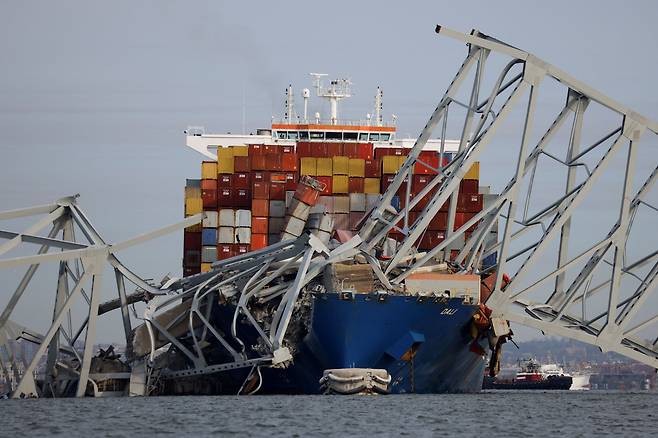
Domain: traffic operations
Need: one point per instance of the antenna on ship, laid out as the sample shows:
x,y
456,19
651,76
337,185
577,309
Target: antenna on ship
x,y
306,93
290,105
379,106
338,89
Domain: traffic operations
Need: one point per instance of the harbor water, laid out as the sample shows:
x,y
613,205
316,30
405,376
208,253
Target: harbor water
x,y
497,413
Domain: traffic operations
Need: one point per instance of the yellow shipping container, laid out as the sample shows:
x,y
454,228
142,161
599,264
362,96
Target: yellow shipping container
x,y
324,166
308,166
225,162
340,184
205,267
371,185
341,166
193,192
209,170
401,160
193,206
473,172
390,164
357,167
240,151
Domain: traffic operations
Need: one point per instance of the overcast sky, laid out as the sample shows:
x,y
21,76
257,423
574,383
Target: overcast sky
x,y
94,96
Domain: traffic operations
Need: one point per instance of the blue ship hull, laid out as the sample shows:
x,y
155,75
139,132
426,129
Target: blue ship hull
x,y
424,344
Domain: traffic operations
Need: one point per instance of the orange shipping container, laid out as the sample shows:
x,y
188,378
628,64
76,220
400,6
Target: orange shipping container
x,y
260,207
258,241
258,225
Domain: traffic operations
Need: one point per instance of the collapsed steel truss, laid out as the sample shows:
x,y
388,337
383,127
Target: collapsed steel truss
x,y
625,325
556,303
80,273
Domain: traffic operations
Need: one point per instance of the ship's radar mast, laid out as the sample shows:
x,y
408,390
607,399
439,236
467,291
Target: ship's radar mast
x,y
290,106
338,89
379,106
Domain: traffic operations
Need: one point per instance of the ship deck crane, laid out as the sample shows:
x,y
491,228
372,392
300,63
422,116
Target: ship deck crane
x,y
599,295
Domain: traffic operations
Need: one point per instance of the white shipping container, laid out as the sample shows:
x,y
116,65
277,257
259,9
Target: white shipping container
x,y
358,202
341,204
322,235
243,218
208,254
298,209
226,218
287,236
327,202
326,223
278,209
211,220
243,235
372,200
290,194
275,225
294,226
226,235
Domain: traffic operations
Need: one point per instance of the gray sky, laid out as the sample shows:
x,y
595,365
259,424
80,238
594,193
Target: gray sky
x,y
94,96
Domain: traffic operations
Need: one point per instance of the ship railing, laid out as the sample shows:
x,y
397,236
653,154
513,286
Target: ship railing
x,y
338,122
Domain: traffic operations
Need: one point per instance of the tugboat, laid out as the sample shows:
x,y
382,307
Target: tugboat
x,y
532,375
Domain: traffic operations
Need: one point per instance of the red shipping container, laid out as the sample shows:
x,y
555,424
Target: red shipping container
x,y
241,164
319,149
278,177
386,181
289,162
259,225
225,181
242,198
225,198
462,218
469,186
242,180
355,185
274,161
355,217
304,149
431,239
224,252
445,206
328,182
469,203
191,240
365,151
260,208
287,149
382,152
260,189
256,149
335,149
260,177
419,182
291,180
278,191
439,222
422,203
259,162
373,168
239,249
258,241
272,149
429,157
208,184
209,193
306,194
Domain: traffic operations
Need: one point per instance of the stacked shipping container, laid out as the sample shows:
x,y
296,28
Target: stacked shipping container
x,y
247,191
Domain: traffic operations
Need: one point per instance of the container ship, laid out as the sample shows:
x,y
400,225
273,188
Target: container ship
x,y
319,178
